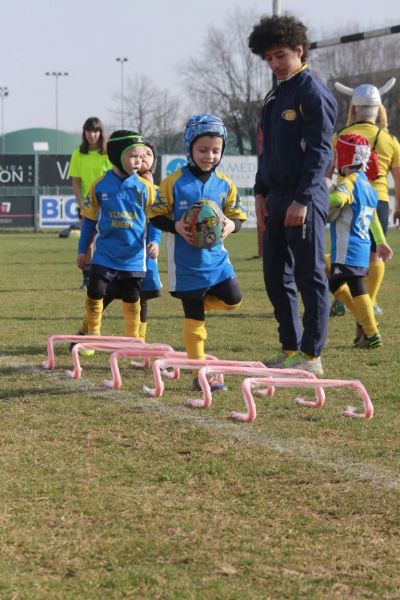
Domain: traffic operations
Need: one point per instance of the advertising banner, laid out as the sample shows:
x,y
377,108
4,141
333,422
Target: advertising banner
x,y
53,170
241,169
17,211
17,170
57,212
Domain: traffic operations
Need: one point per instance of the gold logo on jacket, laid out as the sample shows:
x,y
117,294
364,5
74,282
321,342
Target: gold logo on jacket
x,y
289,115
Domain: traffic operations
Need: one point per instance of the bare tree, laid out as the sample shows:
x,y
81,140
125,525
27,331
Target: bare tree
x,y
151,111
227,79
166,120
368,61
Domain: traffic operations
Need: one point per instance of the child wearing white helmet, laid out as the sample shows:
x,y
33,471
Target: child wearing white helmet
x,y
201,277
355,202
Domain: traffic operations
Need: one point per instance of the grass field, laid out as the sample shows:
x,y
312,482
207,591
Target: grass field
x,y
111,494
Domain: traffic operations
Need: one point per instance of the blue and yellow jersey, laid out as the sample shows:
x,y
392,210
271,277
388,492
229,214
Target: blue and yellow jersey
x,y
387,148
191,268
350,240
119,208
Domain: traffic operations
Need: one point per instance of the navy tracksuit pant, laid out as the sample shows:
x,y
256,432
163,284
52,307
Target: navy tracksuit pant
x,y
294,260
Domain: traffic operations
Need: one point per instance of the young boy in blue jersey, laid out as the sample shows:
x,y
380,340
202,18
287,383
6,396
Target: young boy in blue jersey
x,y
116,208
354,204
291,198
202,278
151,284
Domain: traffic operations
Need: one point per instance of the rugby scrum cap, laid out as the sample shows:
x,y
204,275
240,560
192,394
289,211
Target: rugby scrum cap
x,y
366,94
202,124
352,150
119,142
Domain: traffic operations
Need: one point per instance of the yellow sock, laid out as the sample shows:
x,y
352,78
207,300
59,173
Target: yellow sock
x,y
142,331
94,311
375,278
131,313
194,336
327,264
364,313
214,303
344,296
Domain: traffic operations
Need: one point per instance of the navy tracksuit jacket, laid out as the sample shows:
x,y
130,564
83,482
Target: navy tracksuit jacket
x,y
298,122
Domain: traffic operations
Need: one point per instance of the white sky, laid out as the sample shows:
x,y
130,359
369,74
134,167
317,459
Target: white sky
x,y
84,37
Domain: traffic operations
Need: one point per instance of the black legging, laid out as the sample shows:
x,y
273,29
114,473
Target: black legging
x,y
356,285
228,291
97,288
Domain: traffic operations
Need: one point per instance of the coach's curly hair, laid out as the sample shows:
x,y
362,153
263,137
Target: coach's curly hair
x,y
279,31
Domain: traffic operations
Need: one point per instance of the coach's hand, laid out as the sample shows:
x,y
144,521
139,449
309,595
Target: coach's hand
x,y
295,214
81,260
261,206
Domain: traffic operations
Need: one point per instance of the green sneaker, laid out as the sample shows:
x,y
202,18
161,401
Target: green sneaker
x,y
369,343
298,360
275,360
337,309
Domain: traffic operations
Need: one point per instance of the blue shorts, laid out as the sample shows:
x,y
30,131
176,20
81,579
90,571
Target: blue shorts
x,y
115,274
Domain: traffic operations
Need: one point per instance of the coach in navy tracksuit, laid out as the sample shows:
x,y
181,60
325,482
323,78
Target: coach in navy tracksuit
x,y
291,196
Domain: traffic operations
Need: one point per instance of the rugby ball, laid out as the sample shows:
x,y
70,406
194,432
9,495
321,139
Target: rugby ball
x,y
205,219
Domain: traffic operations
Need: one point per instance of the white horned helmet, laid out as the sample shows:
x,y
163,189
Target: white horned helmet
x,y
367,95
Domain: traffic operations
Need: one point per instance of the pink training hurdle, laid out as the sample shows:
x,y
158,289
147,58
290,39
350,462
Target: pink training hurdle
x,y
192,364
258,370
116,381
137,348
58,339
252,382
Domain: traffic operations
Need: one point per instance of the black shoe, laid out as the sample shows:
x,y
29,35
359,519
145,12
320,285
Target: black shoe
x,y
215,385
74,343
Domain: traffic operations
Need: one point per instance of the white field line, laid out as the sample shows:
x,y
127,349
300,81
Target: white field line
x,y
243,432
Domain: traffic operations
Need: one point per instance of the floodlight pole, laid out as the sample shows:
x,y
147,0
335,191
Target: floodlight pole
x,y
122,61
3,94
276,10
56,74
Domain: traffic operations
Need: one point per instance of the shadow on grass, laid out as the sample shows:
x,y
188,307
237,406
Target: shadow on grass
x,y
26,395
29,350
